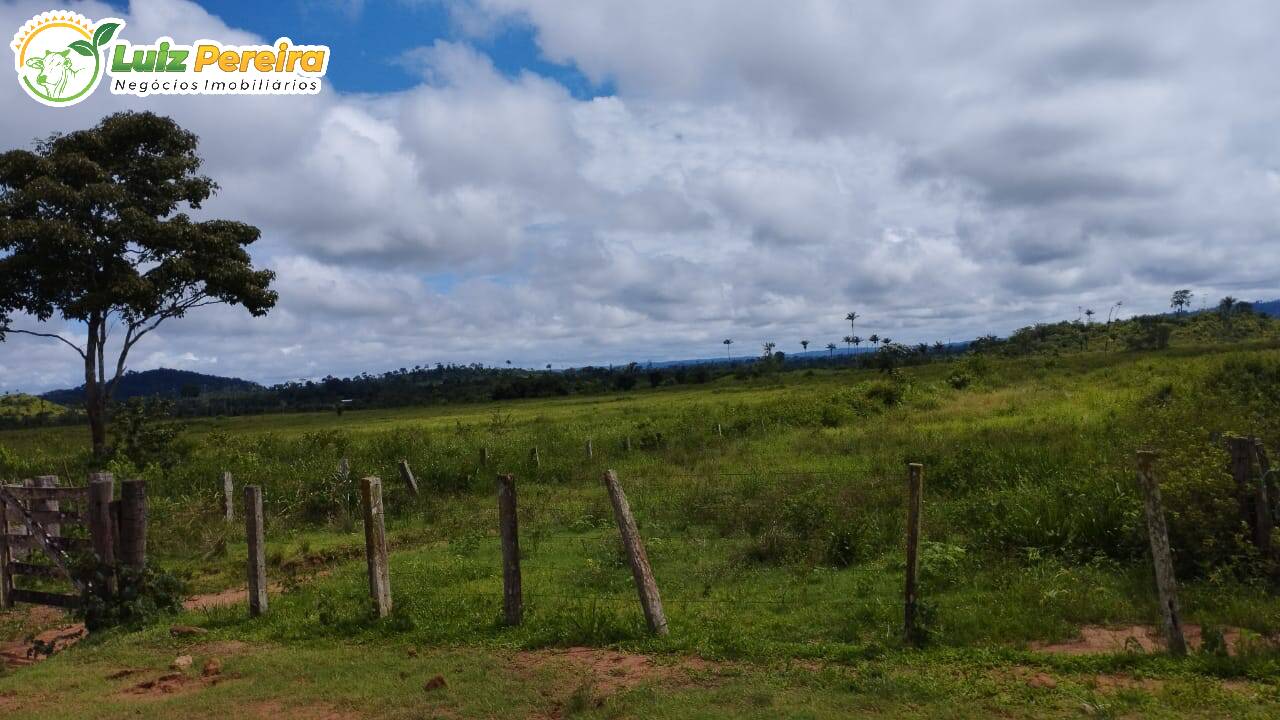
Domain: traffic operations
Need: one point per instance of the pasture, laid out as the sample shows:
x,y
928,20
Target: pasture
x,y
773,510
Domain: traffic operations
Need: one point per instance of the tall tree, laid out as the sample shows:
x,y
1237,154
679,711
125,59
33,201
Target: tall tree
x,y
848,340
851,317
94,229
1180,301
831,349
857,341
804,344
727,342
873,339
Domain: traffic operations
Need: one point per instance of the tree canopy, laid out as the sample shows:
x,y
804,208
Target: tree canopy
x,y
94,229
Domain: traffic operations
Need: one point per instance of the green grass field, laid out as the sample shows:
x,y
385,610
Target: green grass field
x,y
773,510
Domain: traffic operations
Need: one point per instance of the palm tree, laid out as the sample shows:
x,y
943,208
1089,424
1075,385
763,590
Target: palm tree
x,y
884,341
727,342
923,348
851,317
768,348
939,347
831,349
1088,314
848,340
874,338
804,344
1116,307
857,341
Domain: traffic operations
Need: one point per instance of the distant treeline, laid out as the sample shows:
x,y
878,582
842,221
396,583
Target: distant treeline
x,y
449,383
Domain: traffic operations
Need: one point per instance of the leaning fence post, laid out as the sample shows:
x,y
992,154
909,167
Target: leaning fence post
x,y
257,565
590,453
1162,559
228,497
626,443
508,530
407,476
133,523
915,500
375,545
101,487
484,457
535,458
646,586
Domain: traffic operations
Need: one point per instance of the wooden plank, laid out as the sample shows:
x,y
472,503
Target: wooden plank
x,y
407,476
61,517
71,494
33,570
257,564
641,571
133,523
34,542
911,600
38,597
509,532
375,545
1162,558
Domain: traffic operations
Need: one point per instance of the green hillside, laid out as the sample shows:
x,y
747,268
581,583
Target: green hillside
x,y
19,405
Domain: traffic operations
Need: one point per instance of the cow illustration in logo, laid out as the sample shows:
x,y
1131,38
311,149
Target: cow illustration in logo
x,y
56,70
59,55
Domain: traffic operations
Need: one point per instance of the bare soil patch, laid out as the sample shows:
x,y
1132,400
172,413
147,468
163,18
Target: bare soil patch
x,y
19,653
1098,639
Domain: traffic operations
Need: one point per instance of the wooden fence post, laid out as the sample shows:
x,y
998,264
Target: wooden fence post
x,y
133,523
407,476
533,456
6,579
508,530
915,500
626,443
590,452
375,546
484,457
228,497
1162,559
646,586
256,537
1241,451
719,430
101,488
1264,467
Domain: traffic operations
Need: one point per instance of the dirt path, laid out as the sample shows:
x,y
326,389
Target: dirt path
x,y
19,653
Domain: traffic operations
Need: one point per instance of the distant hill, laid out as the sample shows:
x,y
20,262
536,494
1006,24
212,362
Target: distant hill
x,y
163,382
27,406
1271,308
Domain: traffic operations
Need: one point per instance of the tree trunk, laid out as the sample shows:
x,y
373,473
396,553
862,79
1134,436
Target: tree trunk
x,y
95,403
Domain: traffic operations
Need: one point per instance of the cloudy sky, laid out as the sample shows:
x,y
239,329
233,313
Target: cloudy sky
x,y
610,180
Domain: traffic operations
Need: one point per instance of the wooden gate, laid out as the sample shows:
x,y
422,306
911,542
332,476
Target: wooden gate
x,y
42,528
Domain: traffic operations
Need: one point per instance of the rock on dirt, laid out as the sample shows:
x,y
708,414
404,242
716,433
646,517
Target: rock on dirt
x,y
212,666
181,663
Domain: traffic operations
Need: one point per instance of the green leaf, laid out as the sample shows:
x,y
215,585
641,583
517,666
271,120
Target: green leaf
x,y
103,34
82,47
